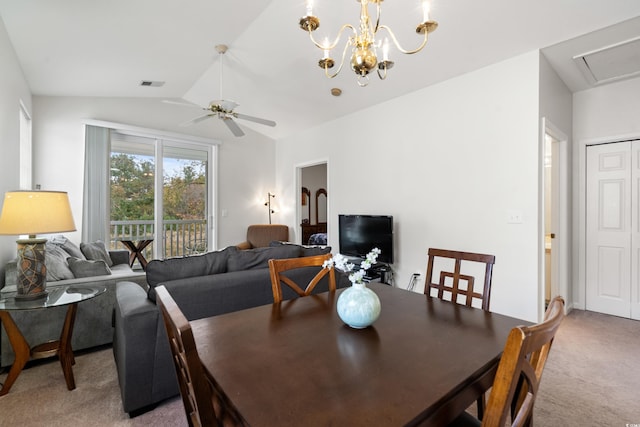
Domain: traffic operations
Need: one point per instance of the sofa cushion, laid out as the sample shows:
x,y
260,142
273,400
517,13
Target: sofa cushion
x,y
88,267
96,251
55,258
159,271
305,250
69,247
259,257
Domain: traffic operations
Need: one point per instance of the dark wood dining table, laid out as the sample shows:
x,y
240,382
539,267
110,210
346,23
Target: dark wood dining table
x,y
297,364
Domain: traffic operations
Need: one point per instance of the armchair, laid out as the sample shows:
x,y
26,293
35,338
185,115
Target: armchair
x,y
260,235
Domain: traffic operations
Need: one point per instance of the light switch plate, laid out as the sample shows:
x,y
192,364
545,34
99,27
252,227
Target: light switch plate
x,y
514,216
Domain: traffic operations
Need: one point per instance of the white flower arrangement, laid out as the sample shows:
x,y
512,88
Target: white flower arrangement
x,y
340,262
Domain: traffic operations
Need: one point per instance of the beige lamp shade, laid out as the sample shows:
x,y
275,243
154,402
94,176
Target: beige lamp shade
x,y
36,212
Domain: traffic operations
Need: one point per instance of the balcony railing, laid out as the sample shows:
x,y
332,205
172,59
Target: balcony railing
x,y
179,237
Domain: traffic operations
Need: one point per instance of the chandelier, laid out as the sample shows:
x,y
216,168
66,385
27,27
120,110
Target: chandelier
x,y
363,43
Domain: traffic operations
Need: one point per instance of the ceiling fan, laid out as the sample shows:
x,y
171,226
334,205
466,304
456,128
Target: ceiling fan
x,y
223,109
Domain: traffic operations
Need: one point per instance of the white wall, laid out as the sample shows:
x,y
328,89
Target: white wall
x,y
602,114
448,162
608,111
13,90
246,165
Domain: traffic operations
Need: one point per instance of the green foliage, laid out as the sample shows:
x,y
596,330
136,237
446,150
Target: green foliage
x,y
132,185
184,194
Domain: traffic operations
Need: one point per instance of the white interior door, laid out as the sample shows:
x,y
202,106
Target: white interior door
x,y
608,272
635,230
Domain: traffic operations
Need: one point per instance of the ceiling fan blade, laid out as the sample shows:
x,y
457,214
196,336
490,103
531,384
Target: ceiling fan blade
x,y
233,126
255,119
197,120
184,104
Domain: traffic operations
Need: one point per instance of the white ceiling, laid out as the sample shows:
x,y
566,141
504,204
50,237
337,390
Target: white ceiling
x,y
106,48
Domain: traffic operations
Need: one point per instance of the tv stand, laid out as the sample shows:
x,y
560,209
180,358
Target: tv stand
x,y
381,272
378,272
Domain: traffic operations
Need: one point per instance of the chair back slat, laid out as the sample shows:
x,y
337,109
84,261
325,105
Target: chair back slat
x,y
449,285
278,268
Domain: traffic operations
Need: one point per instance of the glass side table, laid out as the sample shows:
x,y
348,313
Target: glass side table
x,y
70,295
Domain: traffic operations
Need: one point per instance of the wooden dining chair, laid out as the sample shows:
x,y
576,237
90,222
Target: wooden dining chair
x,y
278,268
517,380
454,285
204,402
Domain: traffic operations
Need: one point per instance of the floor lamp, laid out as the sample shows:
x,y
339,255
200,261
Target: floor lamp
x,y
268,205
30,213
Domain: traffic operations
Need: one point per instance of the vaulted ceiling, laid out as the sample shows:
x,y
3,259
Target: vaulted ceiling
x,y
90,48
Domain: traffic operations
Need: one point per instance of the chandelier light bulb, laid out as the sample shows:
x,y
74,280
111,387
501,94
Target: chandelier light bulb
x,y
326,49
385,49
309,7
425,11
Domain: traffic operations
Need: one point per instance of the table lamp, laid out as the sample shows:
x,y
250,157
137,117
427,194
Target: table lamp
x,y
31,213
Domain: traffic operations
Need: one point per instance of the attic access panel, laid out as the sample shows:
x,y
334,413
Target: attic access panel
x,y
611,63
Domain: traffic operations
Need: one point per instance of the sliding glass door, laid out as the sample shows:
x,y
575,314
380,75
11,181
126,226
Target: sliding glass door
x,y
160,190
185,201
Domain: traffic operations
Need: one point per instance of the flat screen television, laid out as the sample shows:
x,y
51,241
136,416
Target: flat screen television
x,y
358,234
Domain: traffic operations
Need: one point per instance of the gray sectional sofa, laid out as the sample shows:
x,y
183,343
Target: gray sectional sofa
x,y
204,285
93,324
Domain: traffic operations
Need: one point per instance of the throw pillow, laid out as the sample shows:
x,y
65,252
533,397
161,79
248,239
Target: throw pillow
x,y
68,246
304,250
259,257
160,271
96,251
87,267
56,261
315,250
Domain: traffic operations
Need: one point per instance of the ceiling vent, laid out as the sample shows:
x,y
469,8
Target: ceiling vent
x,y
611,63
151,83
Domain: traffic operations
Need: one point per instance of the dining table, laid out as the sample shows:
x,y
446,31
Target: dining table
x,y
295,363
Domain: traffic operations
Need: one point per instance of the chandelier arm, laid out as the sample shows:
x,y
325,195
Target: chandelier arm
x,y
382,76
397,44
344,53
378,13
335,41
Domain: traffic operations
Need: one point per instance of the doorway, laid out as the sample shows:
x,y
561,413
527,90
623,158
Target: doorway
x,y
312,204
551,214
555,236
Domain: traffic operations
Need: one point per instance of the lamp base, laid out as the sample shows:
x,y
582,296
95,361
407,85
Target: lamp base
x,y
32,270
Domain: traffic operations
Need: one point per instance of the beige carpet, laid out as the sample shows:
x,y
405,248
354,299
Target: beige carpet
x,y
592,378
40,397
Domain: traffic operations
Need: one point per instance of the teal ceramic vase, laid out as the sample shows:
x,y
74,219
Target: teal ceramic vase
x,y
358,306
